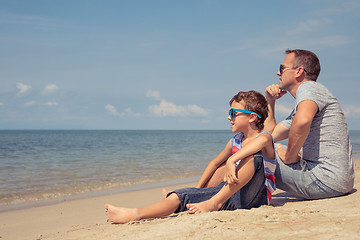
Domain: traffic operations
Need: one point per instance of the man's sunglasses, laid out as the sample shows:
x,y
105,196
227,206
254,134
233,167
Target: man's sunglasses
x,y
233,110
282,67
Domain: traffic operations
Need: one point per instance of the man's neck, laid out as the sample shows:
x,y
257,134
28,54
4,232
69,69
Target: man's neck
x,y
294,90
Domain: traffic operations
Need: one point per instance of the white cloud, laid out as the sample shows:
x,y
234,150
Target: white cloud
x,y
273,42
111,109
345,8
51,104
351,111
195,109
330,41
23,88
129,112
153,94
1,104
166,108
282,109
310,25
50,89
29,104
315,25
126,113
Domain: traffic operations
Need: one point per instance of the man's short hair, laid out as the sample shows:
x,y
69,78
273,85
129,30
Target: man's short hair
x,y
308,60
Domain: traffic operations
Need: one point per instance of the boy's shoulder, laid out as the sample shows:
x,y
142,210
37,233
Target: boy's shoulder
x,y
265,134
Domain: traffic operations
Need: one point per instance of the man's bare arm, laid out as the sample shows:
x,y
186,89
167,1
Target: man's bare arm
x,y
299,130
280,132
272,93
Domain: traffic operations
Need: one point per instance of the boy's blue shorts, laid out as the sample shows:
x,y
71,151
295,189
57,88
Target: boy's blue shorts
x,y
253,194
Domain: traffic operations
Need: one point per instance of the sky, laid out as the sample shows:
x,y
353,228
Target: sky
x,y
141,64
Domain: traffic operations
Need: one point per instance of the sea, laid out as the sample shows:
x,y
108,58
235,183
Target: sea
x,y
47,166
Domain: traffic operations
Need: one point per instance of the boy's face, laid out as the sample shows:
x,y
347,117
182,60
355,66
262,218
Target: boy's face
x,y
241,120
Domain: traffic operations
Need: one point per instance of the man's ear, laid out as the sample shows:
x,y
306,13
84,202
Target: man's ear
x,y
300,71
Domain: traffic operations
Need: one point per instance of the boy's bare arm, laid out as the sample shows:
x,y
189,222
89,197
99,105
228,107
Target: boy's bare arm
x,y
214,164
249,149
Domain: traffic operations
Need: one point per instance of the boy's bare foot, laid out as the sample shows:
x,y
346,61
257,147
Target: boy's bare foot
x,y
202,207
120,215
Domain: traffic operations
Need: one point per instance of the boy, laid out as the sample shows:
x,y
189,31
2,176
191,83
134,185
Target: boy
x,y
249,177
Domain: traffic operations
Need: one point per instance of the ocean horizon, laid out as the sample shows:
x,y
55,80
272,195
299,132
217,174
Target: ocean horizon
x,y
40,165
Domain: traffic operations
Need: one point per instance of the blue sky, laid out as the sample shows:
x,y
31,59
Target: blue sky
x,y
163,64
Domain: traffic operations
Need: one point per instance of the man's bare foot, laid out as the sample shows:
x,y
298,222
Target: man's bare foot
x,y
120,215
202,207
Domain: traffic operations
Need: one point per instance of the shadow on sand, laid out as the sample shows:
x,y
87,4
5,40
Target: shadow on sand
x,y
280,199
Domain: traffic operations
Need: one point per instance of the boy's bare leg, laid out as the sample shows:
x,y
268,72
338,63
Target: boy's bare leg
x,y
165,192
160,209
215,180
217,177
245,172
120,215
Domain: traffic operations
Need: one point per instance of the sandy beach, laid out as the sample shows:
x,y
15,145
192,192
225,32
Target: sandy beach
x,y
336,218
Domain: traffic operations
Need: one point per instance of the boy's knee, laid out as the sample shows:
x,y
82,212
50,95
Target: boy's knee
x,y
173,197
249,159
245,161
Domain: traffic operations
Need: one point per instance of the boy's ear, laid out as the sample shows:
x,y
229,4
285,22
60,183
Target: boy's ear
x,y
252,117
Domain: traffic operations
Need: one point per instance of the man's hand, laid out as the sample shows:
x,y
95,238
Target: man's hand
x,y
281,151
273,92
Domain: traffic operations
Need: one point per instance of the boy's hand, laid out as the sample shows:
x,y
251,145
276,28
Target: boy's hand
x,y
230,175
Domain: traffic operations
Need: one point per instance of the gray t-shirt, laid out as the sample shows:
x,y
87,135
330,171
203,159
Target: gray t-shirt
x,y
327,149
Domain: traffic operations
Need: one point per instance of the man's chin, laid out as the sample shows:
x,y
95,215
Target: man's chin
x,y
281,87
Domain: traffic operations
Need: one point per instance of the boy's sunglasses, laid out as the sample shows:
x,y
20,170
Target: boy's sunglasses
x,y
282,67
233,110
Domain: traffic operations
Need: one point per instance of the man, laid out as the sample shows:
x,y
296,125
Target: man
x,y
317,162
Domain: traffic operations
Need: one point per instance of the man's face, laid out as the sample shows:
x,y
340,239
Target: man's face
x,y
288,75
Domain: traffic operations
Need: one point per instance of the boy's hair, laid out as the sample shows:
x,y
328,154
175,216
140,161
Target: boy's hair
x,y
309,61
255,102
